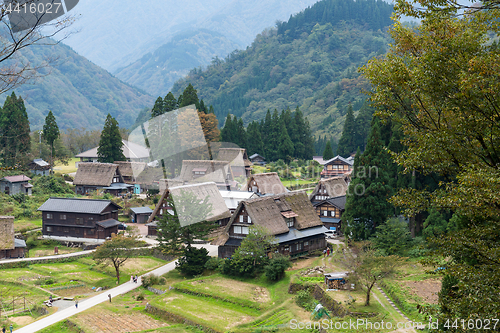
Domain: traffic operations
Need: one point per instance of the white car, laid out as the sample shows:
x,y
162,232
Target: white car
x,y
330,234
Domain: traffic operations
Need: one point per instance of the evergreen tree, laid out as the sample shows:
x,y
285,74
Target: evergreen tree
x,y
227,132
158,108
347,142
50,134
328,152
272,142
255,145
362,126
240,133
169,102
366,205
285,148
111,145
189,96
15,132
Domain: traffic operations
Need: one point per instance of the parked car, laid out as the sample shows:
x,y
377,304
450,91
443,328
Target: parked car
x,y
330,234
122,226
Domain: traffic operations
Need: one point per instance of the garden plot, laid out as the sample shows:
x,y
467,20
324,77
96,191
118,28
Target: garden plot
x,y
427,290
107,321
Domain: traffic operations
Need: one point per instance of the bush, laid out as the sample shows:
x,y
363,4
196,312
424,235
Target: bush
x,y
193,261
277,266
213,264
151,280
305,300
140,297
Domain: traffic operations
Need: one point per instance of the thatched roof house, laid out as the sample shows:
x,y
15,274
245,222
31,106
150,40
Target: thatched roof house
x,y
265,183
290,217
10,247
337,166
201,171
330,188
131,150
130,170
92,176
205,191
238,159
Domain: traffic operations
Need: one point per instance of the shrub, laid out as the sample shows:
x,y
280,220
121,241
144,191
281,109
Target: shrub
x,y
304,300
213,264
140,297
151,280
277,266
193,261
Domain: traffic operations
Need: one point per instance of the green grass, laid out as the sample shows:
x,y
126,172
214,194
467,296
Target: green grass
x,y
61,327
21,224
63,169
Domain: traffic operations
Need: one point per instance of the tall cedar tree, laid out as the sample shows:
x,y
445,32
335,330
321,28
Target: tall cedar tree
x,y
15,132
50,134
169,102
189,96
347,142
367,203
111,145
255,145
328,152
285,148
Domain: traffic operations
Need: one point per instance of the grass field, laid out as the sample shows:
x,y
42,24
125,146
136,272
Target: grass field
x,y
60,168
27,224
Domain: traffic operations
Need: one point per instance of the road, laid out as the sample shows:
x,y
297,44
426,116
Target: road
x,y
103,297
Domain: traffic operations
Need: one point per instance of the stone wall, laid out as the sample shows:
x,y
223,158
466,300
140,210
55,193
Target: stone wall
x,y
6,232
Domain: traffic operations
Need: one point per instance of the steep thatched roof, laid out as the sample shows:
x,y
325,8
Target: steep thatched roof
x,y
150,175
265,183
131,151
215,171
95,174
201,191
7,232
270,211
235,156
130,169
335,187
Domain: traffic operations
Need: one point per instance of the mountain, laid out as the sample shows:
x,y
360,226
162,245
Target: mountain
x,y
309,61
116,33
156,72
79,93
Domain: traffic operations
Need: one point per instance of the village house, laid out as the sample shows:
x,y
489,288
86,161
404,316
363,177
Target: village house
x,y
289,217
12,185
79,219
258,159
100,176
265,184
328,198
330,188
10,247
218,212
132,151
337,166
140,214
201,171
233,198
39,167
130,172
238,160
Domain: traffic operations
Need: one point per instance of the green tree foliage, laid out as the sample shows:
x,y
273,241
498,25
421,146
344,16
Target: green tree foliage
x,y
367,203
169,102
285,148
192,261
158,108
435,224
50,134
111,145
392,237
115,251
348,141
308,62
189,96
328,152
15,138
277,266
255,145
440,82
172,235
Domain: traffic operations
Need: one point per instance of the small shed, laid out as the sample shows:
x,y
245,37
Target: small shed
x,y
15,184
140,214
152,228
257,159
39,167
336,281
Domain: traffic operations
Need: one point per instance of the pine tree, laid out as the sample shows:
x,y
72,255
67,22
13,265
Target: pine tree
x,y
362,126
227,132
111,145
285,147
347,142
157,108
272,142
189,96
328,152
15,132
255,145
367,203
169,102
50,134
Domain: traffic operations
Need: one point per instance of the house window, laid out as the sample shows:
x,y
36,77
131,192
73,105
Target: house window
x,y
244,230
62,216
332,213
289,222
79,220
241,218
306,243
49,216
237,229
49,229
90,232
298,247
325,213
66,230
249,220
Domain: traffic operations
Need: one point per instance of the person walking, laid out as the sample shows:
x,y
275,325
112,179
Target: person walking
x,y
76,303
328,252
11,328
109,296
3,329
135,279
324,253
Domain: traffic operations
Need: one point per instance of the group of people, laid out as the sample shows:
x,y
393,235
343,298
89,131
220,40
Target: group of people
x,y
326,252
133,278
11,328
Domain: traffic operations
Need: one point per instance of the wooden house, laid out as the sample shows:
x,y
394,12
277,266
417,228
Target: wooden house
x,y
233,198
265,183
218,212
12,185
100,176
237,159
330,212
132,151
330,188
10,247
39,167
83,219
257,159
130,170
202,171
140,214
337,166
289,217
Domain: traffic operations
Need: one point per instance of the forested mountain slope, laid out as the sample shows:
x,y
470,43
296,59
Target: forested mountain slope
x,y
309,61
79,93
